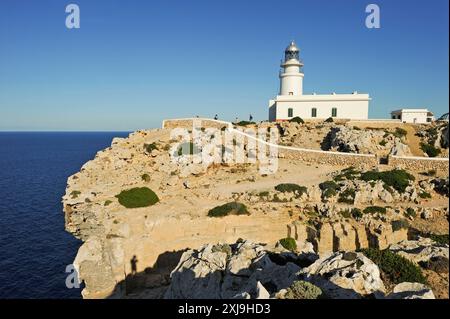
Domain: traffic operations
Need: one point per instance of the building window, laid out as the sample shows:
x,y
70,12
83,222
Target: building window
x,y
290,112
291,93
314,112
333,112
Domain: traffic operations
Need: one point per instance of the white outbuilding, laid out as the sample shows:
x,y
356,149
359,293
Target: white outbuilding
x,y
419,116
291,102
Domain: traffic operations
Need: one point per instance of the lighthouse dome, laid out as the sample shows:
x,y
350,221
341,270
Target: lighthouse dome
x,y
292,47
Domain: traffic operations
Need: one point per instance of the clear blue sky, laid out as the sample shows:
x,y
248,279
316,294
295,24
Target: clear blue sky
x,y
133,63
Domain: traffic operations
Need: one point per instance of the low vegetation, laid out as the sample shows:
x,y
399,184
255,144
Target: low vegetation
x,y
288,243
233,208
244,123
439,239
145,177
430,150
347,173
293,188
399,132
303,290
137,197
374,209
329,120
107,202
329,189
395,268
150,147
399,224
397,178
410,212
347,196
424,194
75,194
297,119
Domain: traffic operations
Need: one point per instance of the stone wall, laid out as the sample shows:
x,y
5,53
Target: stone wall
x,y
328,158
418,164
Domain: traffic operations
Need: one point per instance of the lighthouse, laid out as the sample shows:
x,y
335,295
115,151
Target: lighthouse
x,y
292,102
291,74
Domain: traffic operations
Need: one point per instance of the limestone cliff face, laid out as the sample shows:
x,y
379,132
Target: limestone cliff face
x,y
127,249
113,234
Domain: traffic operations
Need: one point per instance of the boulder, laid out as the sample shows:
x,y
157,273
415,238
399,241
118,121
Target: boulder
x,y
421,250
411,290
345,276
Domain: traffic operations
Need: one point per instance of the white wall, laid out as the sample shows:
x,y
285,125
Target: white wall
x,y
345,109
414,117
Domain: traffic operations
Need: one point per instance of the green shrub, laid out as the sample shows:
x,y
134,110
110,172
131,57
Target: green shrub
x,y
329,120
395,267
303,290
399,224
107,202
356,128
356,213
145,177
347,173
137,197
150,147
346,213
244,123
430,150
297,119
291,188
383,143
233,208
440,239
263,194
288,243
329,189
424,194
75,194
431,172
410,212
400,133
397,178
374,209
347,196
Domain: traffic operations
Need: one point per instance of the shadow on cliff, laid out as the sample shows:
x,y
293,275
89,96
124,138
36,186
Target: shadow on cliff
x,y
153,280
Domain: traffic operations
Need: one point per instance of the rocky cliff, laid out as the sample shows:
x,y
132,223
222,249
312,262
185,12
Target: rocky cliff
x,y
131,251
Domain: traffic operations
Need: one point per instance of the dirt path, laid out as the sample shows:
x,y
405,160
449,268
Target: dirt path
x,y
413,140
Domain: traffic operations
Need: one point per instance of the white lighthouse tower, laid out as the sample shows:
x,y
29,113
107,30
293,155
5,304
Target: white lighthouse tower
x,y
291,76
291,102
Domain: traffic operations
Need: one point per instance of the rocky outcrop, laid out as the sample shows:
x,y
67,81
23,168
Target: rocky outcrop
x,y
347,139
348,236
411,290
244,270
348,275
421,250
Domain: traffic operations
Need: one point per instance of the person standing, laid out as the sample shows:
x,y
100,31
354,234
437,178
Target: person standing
x,y
216,117
250,118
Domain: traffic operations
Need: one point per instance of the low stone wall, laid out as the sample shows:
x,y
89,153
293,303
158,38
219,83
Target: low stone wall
x,y
419,164
329,158
187,123
334,158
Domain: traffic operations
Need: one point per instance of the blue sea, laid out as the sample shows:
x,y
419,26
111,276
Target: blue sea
x,y
34,247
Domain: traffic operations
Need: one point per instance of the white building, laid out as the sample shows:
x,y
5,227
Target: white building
x,y
419,116
291,101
